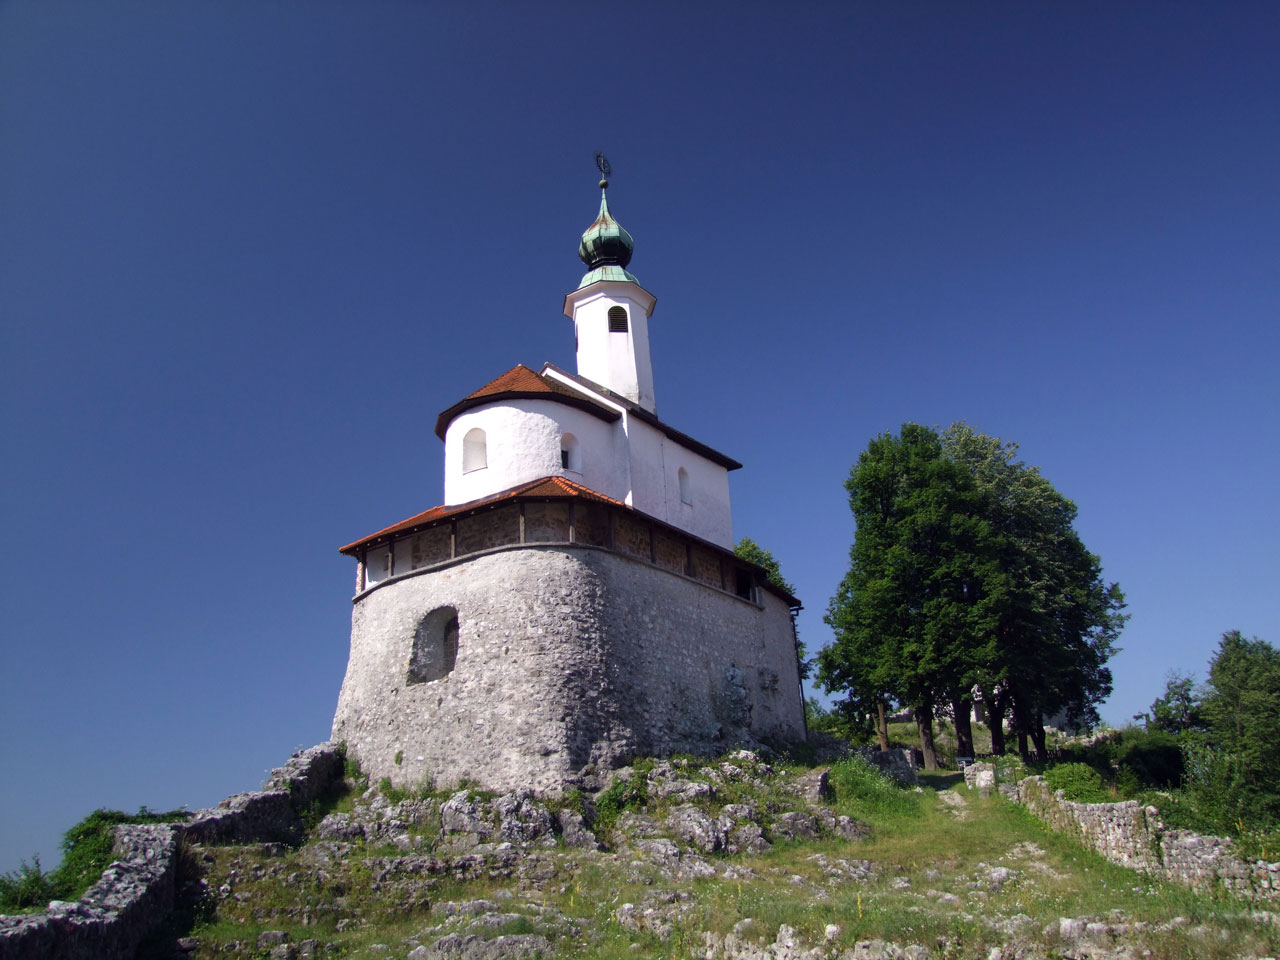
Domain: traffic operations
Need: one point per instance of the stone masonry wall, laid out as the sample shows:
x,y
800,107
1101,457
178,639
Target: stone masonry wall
x,y
136,892
1133,836
567,658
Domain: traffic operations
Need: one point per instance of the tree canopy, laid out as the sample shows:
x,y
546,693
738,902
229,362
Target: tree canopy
x,y
747,549
965,572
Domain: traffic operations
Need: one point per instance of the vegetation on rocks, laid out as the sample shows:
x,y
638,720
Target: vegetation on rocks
x,y
738,857
86,852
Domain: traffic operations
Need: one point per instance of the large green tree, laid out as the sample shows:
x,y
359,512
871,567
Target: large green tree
x,y
911,617
1058,621
1242,709
966,573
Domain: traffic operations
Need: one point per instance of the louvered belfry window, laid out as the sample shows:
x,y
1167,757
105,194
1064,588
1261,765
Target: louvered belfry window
x,y
617,319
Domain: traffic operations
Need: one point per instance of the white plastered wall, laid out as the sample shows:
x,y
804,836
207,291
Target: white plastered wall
x,y
656,460
618,361
523,443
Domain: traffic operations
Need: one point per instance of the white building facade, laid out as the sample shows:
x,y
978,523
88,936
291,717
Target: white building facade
x,y
565,492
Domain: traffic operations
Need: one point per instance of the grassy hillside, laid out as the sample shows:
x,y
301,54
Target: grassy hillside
x,y
731,858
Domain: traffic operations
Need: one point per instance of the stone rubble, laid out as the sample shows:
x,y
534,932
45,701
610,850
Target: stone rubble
x,y
136,893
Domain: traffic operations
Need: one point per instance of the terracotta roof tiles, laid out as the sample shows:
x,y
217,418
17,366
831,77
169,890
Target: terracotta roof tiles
x,y
522,383
555,488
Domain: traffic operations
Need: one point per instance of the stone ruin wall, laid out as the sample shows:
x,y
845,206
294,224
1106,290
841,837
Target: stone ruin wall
x,y
136,892
566,657
1133,836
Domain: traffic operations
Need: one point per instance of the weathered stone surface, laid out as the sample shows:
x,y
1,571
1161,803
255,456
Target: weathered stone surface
x,y
136,892
523,820
795,825
130,898
695,827
899,764
815,787
461,814
513,947
1133,836
569,658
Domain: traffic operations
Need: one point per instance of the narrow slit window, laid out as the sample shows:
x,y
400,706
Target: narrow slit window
x,y
617,319
685,495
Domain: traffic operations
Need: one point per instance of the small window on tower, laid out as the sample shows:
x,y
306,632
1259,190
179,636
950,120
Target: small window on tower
x,y
475,454
617,319
570,458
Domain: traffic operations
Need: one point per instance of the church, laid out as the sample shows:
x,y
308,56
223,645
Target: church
x,y
575,601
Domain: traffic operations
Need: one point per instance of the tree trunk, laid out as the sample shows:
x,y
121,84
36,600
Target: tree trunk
x,y
962,708
924,720
997,706
882,724
1037,735
1022,724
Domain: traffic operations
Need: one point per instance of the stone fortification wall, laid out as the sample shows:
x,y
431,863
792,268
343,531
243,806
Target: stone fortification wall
x,y
1133,836
566,658
136,892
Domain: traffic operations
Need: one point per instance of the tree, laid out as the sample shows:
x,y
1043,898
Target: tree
x,y
747,549
1179,709
965,572
1058,620
1242,709
911,617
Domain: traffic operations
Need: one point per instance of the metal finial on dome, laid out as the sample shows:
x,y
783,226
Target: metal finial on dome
x,y
606,247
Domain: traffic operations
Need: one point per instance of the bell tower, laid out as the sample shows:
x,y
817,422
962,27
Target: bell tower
x,y
610,310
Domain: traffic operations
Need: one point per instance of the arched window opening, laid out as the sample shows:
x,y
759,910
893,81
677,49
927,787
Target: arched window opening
x,y
570,456
435,646
685,495
475,454
617,319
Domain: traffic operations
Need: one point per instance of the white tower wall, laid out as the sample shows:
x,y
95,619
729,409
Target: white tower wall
x,y
523,442
618,361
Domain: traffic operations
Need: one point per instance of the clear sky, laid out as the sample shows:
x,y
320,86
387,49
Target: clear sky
x,y
249,250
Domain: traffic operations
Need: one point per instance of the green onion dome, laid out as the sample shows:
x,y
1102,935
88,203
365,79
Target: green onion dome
x,y
606,247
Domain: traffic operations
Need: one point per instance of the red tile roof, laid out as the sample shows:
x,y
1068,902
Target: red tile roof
x,y
551,488
522,383
519,378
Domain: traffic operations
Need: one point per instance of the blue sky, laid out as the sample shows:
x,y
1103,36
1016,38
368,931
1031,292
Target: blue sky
x,y
249,250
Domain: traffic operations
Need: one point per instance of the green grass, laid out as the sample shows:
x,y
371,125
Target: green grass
x,y
919,852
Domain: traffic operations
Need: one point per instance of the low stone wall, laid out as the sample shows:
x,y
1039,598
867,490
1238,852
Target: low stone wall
x,y
1133,836
130,898
136,893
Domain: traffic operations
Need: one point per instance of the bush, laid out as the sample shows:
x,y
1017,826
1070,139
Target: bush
x,y
623,794
27,887
1150,759
1079,782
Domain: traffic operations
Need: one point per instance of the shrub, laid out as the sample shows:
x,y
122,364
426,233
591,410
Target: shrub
x,y
27,887
1147,758
1079,782
623,794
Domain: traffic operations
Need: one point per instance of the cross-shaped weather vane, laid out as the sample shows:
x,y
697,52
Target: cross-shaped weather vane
x,y
602,164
